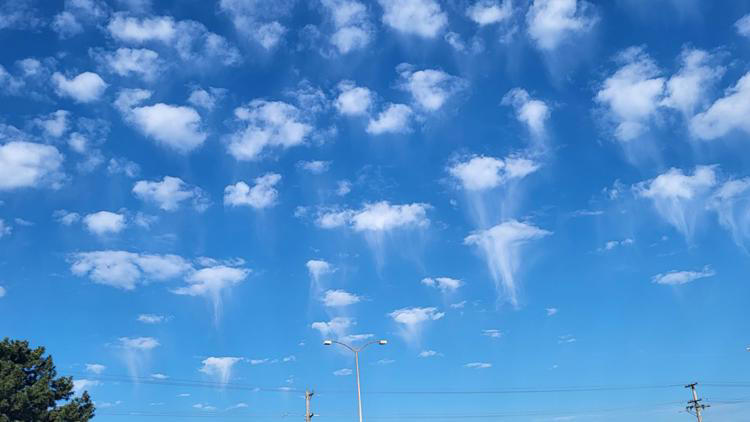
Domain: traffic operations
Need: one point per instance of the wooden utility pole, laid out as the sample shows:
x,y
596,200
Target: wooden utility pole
x,y
308,413
694,404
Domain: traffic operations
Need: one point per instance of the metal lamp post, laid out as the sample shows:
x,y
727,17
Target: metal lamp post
x,y
356,361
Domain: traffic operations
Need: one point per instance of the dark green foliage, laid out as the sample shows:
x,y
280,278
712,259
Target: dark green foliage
x,y
30,390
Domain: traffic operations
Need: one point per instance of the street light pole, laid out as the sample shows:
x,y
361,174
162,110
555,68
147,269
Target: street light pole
x,y
356,364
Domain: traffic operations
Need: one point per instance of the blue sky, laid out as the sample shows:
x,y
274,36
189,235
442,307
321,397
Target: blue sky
x,y
532,195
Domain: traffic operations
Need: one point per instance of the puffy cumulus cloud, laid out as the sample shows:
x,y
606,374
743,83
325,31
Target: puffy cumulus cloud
x,y
125,270
140,62
337,327
82,384
206,99
257,20
676,278
353,100
213,283
529,111
95,368
552,22
318,268
678,197
176,127
138,343
219,367
104,222
411,321
262,194
339,298
76,14
732,204
378,217
478,365
352,27
54,124
743,26
688,88
65,217
488,12
444,284
501,247
632,94
270,124
481,173
612,244
170,193
86,87
393,119
191,41
123,166
27,164
314,167
19,14
424,18
430,88
343,187
727,114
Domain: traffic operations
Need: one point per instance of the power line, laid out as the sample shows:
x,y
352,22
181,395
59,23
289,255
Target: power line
x,y
694,405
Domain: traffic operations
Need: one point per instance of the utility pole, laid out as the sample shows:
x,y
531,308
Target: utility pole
x,y
694,404
308,413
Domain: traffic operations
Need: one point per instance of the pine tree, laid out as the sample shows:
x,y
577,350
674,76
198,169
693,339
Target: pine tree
x,y
31,391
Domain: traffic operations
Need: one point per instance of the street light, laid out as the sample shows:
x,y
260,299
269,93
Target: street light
x,y
356,362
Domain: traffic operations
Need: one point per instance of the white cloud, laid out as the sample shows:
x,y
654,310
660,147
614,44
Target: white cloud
x,y
428,354
2,291
205,407
258,361
212,283
269,34
612,244
478,365
676,278
458,305
170,193
85,88
270,124
687,90
152,318
679,198
160,377
430,88
219,367
261,195
552,22
138,343
566,339
66,218
343,187
531,112
482,173
54,124
444,284
176,127
95,368
257,20
378,217
125,62
125,270
339,298
82,384
314,167
501,247
551,311
488,12
412,320
26,164
70,21
632,94
352,27
318,268
492,333
134,30
725,115
337,327
393,119
424,18
743,26
353,100
342,372
104,222
732,204
4,229
206,99
123,166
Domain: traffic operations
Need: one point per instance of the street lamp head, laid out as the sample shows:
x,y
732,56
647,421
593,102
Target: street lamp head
x,y
382,342
327,342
